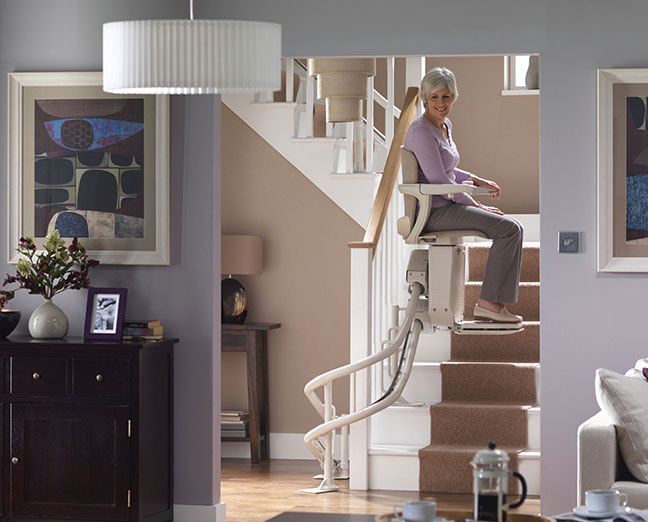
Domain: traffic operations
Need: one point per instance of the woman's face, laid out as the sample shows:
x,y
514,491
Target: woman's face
x,y
439,104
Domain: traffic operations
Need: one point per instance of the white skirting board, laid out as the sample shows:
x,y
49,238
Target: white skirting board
x,y
282,446
197,513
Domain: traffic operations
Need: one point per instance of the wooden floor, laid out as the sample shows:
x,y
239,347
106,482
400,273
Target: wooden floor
x,y
257,492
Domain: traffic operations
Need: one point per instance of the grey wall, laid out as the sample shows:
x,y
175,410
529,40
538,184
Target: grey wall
x,y
589,320
40,35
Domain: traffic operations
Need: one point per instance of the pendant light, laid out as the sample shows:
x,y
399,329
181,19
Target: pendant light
x,y
191,56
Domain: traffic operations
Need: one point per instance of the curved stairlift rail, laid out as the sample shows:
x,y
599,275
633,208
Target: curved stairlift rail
x,y
324,452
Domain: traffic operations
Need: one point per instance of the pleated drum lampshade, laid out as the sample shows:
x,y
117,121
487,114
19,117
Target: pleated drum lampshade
x,y
191,56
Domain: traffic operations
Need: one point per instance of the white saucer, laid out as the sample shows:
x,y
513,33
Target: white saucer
x,y
582,511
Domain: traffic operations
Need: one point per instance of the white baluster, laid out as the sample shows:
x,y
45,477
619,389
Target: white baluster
x,y
349,148
310,98
329,129
389,111
290,78
369,142
358,149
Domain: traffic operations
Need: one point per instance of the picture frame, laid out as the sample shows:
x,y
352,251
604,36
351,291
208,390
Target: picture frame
x,y
91,164
105,312
622,139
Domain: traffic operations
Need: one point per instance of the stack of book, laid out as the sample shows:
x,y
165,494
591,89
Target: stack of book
x,y
235,423
133,329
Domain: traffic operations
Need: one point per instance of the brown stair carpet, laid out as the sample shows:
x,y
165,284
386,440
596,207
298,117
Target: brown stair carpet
x,y
505,424
528,305
487,387
523,347
488,383
478,254
446,469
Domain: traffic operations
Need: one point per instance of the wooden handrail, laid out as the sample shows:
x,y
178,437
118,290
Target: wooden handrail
x,y
390,174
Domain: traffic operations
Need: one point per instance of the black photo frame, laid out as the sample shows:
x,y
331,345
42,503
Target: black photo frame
x,y
105,313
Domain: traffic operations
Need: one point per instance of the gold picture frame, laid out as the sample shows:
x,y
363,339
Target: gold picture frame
x,y
90,164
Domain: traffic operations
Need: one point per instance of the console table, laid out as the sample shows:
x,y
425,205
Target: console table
x,y
252,339
86,430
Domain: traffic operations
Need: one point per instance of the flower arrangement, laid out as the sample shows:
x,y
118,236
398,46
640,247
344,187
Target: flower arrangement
x,y
52,271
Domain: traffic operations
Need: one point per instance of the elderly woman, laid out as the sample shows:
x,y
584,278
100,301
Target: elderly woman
x,y
430,139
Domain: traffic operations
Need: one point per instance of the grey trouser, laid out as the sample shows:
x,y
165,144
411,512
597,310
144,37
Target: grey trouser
x,y
502,276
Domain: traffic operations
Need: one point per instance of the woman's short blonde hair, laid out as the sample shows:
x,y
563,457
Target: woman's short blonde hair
x,y
436,79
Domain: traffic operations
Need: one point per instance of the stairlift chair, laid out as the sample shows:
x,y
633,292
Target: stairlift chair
x,y
440,269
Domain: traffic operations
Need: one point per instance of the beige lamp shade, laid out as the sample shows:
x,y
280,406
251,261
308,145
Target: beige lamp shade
x,y
241,255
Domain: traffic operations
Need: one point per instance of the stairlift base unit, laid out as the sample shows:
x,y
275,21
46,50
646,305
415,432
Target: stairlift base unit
x,y
445,268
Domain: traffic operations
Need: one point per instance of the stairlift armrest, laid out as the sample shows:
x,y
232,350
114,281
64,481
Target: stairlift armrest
x,y
597,455
431,189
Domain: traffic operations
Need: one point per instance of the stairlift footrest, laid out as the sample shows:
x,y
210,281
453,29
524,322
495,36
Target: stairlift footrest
x,y
486,328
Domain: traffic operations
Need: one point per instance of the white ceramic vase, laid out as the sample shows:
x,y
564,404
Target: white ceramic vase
x,y
48,321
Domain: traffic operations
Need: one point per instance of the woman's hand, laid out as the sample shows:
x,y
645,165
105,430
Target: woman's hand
x,y
494,210
481,182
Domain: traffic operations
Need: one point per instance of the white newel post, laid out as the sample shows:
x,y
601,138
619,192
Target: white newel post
x,y
360,347
414,72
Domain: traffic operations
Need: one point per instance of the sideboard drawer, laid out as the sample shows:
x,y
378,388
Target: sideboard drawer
x,y
101,377
38,375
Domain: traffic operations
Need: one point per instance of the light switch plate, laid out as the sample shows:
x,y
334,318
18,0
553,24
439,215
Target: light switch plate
x,y
569,242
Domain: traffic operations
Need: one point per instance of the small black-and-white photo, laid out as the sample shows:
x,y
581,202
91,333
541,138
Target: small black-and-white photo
x,y
105,315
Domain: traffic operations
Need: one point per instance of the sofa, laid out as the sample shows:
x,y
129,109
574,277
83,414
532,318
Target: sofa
x,y
615,440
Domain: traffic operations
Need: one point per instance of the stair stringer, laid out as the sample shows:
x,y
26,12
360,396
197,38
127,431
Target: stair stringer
x,y
313,157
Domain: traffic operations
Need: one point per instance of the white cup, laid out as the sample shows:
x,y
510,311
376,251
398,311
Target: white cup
x,y
417,510
605,500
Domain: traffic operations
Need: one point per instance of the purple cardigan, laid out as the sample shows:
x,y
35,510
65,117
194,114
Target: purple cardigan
x,y
437,158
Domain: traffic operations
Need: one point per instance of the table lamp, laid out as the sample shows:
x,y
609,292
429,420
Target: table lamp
x,y
240,255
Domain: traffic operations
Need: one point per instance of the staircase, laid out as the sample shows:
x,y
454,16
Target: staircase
x,y
464,390
474,389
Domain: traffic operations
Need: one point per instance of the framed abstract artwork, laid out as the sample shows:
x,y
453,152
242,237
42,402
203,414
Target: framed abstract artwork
x,y
89,164
623,170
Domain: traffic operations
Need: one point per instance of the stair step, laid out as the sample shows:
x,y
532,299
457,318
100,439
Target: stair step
x,y
478,424
478,255
528,305
446,469
489,383
523,347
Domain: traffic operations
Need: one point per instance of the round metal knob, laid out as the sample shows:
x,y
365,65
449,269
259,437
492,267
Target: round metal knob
x,y
36,376
15,460
99,377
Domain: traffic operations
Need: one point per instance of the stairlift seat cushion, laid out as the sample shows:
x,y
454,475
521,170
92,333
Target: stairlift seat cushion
x,y
624,399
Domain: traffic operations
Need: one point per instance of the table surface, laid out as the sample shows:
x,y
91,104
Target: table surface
x,y
250,326
344,517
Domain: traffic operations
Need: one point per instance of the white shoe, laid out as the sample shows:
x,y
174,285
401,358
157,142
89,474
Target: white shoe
x,y
503,316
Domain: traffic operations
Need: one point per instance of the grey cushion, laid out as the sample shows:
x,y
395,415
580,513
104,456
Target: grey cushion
x,y
625,400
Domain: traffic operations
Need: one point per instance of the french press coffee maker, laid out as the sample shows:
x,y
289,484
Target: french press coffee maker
x,y
490,480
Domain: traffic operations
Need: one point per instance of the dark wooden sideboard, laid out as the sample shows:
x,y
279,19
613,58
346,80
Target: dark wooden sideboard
x,y
252,339
86,430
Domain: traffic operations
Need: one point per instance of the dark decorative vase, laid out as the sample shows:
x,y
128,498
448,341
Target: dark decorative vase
x,y
9,319
233,302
